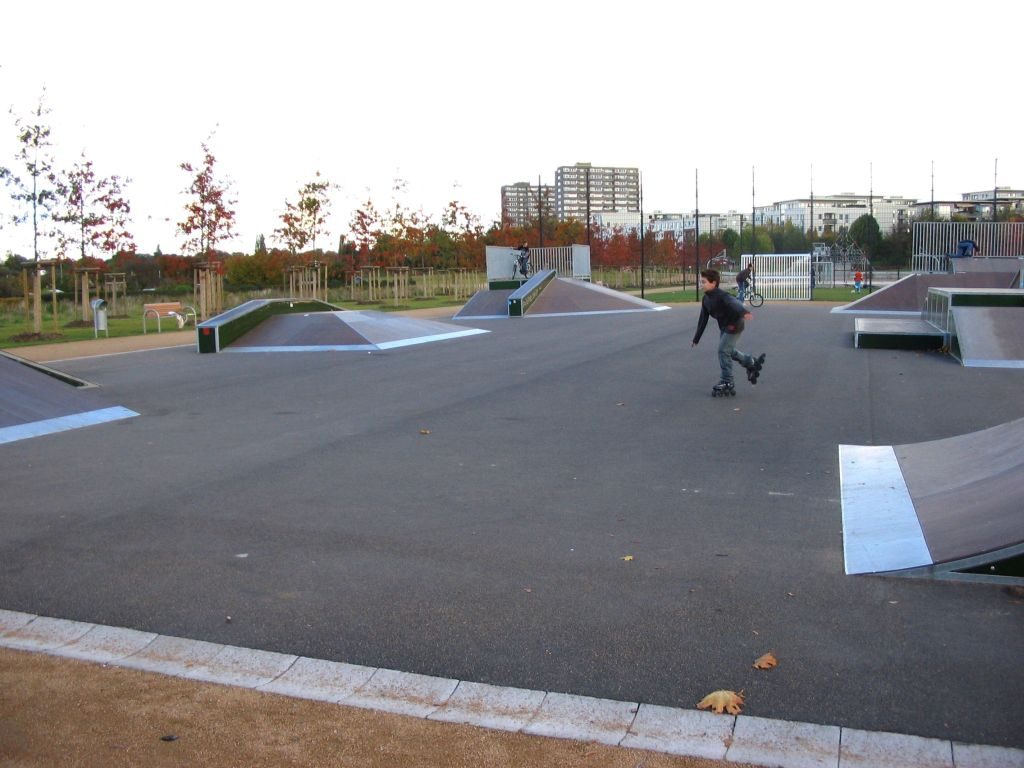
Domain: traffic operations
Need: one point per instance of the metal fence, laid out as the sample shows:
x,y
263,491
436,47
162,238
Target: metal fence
x,y
935,242
567,261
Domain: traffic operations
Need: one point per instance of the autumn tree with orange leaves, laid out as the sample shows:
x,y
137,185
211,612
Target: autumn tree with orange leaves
x,y
210,212
302,221
94,211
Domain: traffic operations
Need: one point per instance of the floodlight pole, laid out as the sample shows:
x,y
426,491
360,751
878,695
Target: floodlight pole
x,y
540,213
933,190
642,255
995,188
587,172
753,218
696,241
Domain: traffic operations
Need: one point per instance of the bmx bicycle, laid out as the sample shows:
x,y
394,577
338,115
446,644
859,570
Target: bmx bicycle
x,y
521,263
752,297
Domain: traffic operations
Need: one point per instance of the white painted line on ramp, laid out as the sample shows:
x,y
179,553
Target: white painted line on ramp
x,y
881,531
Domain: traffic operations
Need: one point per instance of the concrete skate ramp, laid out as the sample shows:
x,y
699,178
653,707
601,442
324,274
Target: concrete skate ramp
x,y
36,401
907,296
990,337
938,506
344,331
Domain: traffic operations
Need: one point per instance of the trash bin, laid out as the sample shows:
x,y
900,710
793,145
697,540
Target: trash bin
x,y
99,317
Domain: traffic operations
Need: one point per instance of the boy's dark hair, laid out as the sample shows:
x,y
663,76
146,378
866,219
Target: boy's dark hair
x,y
712,276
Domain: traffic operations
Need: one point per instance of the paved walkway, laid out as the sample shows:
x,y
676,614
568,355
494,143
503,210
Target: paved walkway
x,y
70,350
685,732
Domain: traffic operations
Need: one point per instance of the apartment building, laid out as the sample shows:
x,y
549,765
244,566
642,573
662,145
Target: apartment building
x,y
834,212
683,225
973,206
584,189
522,202
831,213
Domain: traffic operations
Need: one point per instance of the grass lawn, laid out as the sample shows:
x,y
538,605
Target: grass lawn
x,y
15,331
839,293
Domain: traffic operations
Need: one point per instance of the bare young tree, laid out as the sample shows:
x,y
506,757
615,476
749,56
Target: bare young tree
x,y
210,212
33,193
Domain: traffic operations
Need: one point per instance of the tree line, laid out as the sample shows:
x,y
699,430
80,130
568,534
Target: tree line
x,y
85,216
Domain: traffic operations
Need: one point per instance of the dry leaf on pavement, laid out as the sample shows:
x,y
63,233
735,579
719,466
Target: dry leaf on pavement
x,y
723,701
767,661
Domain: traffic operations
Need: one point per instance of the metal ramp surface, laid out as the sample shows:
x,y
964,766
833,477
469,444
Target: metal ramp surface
x,y
934,508
988,337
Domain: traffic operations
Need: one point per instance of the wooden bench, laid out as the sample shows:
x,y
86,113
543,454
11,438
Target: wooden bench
x,y
177,310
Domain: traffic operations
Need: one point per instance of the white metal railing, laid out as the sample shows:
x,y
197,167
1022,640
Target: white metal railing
x,y
940,238
566,260
923,262
558,258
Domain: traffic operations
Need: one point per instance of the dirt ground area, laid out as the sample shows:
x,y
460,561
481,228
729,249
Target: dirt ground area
x,y
60,712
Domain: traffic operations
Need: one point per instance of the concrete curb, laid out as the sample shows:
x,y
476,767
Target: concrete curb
x,y
684,732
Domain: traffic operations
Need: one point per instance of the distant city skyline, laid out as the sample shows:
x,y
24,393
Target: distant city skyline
x,y
365,95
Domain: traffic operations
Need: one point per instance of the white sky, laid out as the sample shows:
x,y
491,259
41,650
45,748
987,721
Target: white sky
x,y
458,98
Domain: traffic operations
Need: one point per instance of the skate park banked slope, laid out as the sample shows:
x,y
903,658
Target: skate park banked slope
x,y
906,297
36,400
979,326
293,325
546,295
936,507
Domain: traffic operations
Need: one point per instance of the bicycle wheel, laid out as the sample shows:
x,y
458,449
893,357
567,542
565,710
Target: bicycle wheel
x,y
755,299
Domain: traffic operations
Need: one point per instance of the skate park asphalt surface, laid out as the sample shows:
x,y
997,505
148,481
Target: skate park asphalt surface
x,y
558,505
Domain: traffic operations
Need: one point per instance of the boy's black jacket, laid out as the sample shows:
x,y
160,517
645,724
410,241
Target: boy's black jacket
x,y
725,308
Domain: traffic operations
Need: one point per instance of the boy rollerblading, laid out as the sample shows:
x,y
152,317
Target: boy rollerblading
x,y
730,314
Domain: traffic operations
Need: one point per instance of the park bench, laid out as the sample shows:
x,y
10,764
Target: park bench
x,y
177,310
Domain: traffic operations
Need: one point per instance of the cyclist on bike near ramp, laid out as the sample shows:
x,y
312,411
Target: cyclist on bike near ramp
x,y
730,314
741,281
522,261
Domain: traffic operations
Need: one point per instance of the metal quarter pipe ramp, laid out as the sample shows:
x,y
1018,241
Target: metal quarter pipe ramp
x,y
935,508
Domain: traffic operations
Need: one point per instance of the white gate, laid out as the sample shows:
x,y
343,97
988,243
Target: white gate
x,y
781,276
